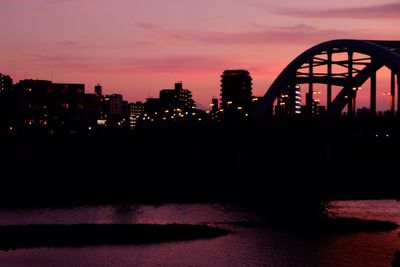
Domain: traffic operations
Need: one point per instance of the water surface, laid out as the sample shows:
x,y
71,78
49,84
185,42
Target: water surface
x,y
248,246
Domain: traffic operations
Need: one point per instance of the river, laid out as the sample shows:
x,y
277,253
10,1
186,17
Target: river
x,y
247,246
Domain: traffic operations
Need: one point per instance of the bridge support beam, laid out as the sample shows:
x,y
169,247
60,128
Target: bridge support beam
x,y
392,91
329,81
309,96
398,94
350,102
373,93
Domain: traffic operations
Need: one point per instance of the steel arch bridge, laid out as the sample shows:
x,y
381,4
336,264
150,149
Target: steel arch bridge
x,y
353,73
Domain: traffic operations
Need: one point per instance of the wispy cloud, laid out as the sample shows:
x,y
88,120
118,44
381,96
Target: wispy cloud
x,y
296,34
381,11
69,62
264,35
68,43
147,25
171,64
180,63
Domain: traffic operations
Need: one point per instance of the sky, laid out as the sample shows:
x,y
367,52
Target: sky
x,y
137,48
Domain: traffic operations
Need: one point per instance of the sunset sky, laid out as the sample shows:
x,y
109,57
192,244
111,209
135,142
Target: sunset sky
x,y
137,47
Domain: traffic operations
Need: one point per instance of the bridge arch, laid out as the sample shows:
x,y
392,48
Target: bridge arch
x,y
378,54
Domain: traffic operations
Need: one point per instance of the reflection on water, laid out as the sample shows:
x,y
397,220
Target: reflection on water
x,y
247,247
385,210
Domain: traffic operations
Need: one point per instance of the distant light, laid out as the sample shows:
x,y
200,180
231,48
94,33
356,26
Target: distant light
x,y
90,128
239,108
376,135
387,135
230,102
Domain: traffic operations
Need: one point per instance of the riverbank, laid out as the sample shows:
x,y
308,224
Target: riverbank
x,y
81,235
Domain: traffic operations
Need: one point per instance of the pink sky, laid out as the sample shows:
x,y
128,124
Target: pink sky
x,y
136,47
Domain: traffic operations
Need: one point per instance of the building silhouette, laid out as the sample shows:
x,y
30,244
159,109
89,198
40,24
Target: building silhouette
x,y
152,111
114,111
92,111
47,106
289,101
98,90
214,104
136,111
177,98
5,82
236,93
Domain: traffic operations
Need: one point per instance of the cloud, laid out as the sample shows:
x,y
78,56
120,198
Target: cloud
x,y
63,61
198,64
381,11
296,34
265,35
147,25
68,43
144,44
181,63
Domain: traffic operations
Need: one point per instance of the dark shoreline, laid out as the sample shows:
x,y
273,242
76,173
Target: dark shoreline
x,y
81,235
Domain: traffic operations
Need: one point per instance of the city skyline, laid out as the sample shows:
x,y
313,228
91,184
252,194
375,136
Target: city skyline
x,y
157,43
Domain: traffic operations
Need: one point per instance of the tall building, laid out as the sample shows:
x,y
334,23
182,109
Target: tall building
x,y
136,110
92,110
236,93
53,107
5,82
114,110
98,90
289,101
214,104
214,114
177,98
